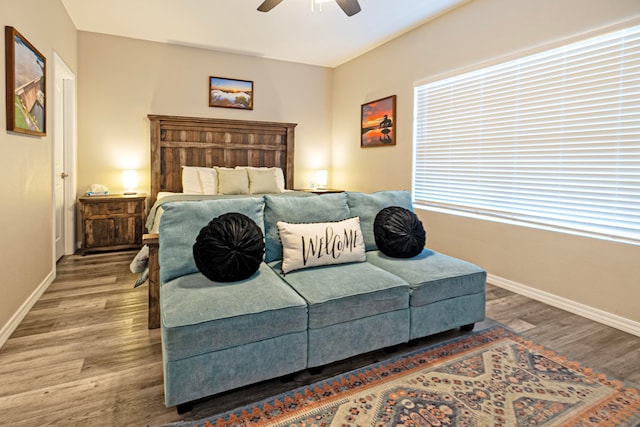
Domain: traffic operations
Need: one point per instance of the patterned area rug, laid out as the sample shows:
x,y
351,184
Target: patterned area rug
x,y
492,377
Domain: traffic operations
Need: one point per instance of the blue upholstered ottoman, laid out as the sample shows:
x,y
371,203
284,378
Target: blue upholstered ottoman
x,y
446,292
352,308
219,336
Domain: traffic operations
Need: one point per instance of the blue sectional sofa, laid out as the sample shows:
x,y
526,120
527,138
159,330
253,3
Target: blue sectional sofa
x,y
217,336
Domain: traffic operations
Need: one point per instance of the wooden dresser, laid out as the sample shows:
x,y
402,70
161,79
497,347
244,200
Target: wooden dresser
x,y
112,222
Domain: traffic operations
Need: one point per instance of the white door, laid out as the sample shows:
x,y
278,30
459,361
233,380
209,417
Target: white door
x,y
59,175
63,158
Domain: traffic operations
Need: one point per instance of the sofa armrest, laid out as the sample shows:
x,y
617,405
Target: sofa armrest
x,y
153,241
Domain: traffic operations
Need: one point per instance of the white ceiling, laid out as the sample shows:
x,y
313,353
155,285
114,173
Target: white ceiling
x,y
289,32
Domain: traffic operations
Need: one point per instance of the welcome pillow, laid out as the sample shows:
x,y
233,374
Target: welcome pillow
x,y
322,243
296,210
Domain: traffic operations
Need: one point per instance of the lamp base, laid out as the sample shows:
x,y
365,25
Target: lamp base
x,y
130,193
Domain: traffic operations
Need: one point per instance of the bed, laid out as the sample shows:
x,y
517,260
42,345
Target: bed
x,y
178,142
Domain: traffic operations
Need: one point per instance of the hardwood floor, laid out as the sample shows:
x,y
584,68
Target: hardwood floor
x,y
84,356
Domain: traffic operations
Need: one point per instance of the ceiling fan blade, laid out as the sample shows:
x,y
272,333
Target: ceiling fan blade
x,y
350,7
267,5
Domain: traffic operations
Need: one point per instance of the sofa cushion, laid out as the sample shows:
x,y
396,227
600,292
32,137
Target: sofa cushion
x,y
341,293
320,243
398,232
181,223
317,208
229,248
200,316
433,276
367,206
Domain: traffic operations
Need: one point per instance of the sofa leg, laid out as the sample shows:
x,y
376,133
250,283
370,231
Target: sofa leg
x,y
467,328
287,378
391,349
184,407
316,370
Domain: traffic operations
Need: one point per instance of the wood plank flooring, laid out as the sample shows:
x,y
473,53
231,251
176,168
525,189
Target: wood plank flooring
x,y
84,356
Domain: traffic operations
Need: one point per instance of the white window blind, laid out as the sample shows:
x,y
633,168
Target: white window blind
x,y
550,139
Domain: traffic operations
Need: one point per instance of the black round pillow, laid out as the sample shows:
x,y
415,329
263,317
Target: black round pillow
x,y
398,232
229,248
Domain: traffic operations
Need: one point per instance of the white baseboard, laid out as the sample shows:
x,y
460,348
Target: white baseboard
x,y
14,322
601,316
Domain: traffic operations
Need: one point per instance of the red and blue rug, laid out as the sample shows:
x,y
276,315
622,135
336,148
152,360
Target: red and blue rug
x,y
492,377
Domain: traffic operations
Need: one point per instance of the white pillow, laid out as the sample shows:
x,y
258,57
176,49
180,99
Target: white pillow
x,y
321,243
278,172
208,180
262,181
199,180
190,180
232,181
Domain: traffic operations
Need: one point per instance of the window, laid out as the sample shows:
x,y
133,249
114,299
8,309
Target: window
x,y
551,139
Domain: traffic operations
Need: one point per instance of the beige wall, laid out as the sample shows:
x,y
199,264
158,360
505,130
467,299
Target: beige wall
x,y
600,274
122,80
26,221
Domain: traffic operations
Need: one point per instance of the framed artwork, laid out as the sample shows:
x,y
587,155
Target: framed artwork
x,y
378,122
25,85
230,93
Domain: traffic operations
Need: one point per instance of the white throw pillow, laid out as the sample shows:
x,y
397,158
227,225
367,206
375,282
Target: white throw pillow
x,y
208,180
322,243
278,172
232,181
262,181
199,180
190,180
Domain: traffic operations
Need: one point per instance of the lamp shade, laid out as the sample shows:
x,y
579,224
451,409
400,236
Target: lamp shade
x,y
129,181
321,178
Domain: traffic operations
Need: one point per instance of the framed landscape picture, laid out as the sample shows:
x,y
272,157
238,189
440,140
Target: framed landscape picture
x,y
25,85
230,93
378,122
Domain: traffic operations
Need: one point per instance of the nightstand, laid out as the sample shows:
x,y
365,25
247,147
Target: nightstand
x,y
322,190
112,222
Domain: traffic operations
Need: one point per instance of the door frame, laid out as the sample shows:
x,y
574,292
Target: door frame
x,y
62,72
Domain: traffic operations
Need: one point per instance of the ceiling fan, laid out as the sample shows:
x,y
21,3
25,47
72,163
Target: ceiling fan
x,y
350,7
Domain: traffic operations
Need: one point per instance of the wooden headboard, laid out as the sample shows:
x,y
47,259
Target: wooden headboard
x,y
190,141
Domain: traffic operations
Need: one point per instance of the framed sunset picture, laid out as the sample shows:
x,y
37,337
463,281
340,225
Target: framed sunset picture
x,y
230,93
378,122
